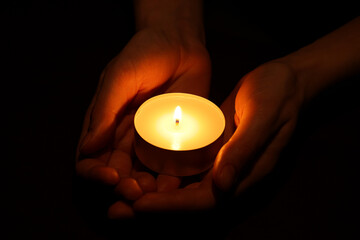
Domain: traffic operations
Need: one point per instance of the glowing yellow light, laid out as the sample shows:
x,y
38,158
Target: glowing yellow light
x,y
177,115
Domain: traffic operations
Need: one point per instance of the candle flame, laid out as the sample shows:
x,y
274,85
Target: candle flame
x,y
177,115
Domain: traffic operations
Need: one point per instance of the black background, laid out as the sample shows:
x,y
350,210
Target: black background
x,y
52,55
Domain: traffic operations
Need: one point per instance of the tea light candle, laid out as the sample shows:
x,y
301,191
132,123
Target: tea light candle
x,y
178,133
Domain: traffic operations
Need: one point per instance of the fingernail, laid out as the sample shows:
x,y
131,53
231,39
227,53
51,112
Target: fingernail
x,y
227,177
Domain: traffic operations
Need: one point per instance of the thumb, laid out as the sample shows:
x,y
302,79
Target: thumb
x,y
230,163
237,157
112,96
128,79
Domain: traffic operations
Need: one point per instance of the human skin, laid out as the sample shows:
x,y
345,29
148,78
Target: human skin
x,y
166,55
261,114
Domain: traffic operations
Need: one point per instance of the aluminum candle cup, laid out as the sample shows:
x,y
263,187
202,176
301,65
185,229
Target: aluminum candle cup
x,y
178,134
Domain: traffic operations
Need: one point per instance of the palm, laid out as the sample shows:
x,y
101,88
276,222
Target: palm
x,y
261,115
261,112
150,64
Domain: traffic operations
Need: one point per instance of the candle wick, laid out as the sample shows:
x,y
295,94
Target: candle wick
x,y
177,121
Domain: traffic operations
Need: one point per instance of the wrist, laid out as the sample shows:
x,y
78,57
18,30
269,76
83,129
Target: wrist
x,y
181,19
327,60
300,67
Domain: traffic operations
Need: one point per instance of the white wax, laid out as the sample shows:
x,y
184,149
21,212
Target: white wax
x,y
201,123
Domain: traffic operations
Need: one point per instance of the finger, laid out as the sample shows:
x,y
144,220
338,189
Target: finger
x,y
193,185
185,199
86,121
120,210
109,103
128,188
121,162
120,158
96,170
167,183
249,138
228,108
268,159
132,75
124,134
146,181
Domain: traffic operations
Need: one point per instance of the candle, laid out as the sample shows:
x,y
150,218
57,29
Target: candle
x,y
176,133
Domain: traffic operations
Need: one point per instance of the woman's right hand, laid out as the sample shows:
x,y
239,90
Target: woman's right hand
x,y
153,62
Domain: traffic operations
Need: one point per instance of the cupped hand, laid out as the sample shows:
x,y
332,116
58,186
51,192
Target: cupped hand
x,y
261,114
266,109
153,62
